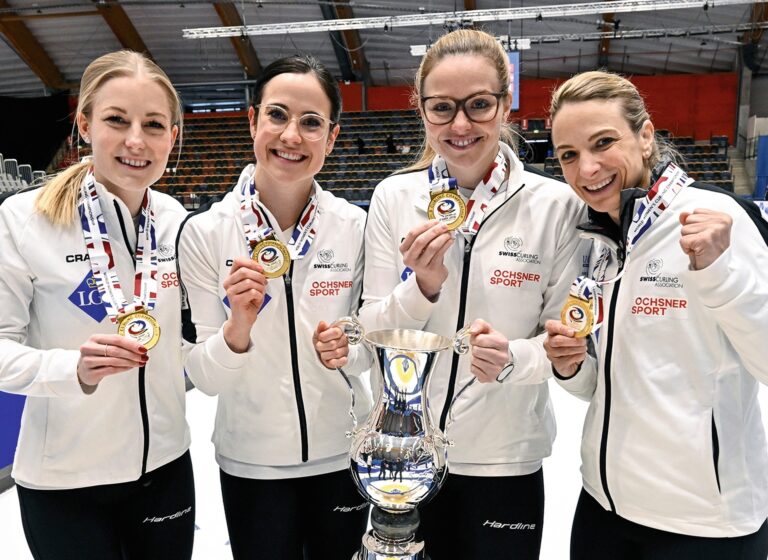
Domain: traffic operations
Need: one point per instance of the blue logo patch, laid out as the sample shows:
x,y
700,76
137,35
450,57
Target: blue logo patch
x,y
407,271
87,298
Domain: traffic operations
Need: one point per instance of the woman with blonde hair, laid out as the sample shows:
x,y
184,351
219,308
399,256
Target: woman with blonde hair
x,y
674,456
460,238
91,332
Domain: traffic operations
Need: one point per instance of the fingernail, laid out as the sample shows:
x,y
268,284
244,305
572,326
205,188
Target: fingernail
x,y
143,350
145,358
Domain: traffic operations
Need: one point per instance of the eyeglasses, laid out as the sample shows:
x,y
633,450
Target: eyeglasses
x,y
478,107
311,126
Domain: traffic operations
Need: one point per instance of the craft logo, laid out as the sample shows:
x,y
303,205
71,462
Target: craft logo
x,y
87,298
512,248
654,276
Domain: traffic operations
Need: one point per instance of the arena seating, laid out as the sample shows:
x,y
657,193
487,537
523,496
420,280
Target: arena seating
x,y
14,176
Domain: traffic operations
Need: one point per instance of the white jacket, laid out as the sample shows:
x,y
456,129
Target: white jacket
x,y
673,437
49,309
278,405
516,276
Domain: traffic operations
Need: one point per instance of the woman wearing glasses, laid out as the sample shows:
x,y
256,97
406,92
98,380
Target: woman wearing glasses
x,y
265,269
505,269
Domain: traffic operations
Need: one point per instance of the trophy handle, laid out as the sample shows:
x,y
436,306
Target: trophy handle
x,y
355,334
460,346
461,340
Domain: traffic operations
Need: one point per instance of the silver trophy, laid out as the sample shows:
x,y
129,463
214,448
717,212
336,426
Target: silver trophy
x,y
398,458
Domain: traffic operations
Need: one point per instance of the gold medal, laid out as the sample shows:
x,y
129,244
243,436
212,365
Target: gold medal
x,y
577,314
449,208
141,327
273,257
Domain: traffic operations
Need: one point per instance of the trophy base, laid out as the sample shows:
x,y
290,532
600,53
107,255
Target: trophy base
x,y
393,537
376,549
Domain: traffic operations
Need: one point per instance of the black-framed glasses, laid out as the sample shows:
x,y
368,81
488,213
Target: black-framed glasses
x,y
311,126
478,107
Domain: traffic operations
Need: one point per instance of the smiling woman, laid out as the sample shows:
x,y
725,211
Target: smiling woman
x,y
458,238
296,255
104,442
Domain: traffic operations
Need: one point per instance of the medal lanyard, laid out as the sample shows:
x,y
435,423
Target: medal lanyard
x,y
102,259
490,185
256,224
656,201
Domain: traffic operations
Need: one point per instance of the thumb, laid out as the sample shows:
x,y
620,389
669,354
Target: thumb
x,y
684,217
322,326
478,327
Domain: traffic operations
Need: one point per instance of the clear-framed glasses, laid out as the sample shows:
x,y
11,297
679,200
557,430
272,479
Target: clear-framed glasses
x,y
478,107
311,126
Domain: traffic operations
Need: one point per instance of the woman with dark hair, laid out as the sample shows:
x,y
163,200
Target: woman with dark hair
x,y
265,269
674,456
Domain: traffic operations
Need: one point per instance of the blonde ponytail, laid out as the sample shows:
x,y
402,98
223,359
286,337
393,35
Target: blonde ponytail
x,y
58,198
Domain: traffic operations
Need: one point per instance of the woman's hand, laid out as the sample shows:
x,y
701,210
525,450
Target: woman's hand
x,y
245,287
331,345
705,235
490,351
564,350
107,354
423,250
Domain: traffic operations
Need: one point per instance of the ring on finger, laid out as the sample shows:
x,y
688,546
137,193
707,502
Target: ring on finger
x,y
106,347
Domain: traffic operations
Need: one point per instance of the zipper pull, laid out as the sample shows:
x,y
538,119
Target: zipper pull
x,y
620,255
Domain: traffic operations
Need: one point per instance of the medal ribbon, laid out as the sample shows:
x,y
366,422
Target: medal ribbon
x,y
254,221
102,259
656,201
490,185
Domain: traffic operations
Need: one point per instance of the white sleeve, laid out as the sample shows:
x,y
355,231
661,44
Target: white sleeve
x,y
360,358
531,363
734,291
583,383
388,302
208,360
25,370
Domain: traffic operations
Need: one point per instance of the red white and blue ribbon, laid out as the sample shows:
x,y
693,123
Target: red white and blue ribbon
x,y
656,201
490,185
102,259
255,221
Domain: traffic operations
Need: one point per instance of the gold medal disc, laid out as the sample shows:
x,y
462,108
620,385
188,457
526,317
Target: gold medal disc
x,y
141,327
577,314
449,208
273,257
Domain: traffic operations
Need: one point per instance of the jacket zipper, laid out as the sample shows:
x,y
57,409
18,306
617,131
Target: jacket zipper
x,y
459,324
288,279
142,372
716,452
463,308
607,375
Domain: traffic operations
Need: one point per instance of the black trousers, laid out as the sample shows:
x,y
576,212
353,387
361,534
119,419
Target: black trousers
x,y
485,518
147,519
598,534
319,517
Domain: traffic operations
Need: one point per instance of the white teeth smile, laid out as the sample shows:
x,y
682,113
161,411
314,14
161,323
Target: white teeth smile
x,y
600,185
463,143
134,162
286,155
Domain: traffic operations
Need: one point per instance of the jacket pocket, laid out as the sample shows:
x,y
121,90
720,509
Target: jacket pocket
x,y
715,451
